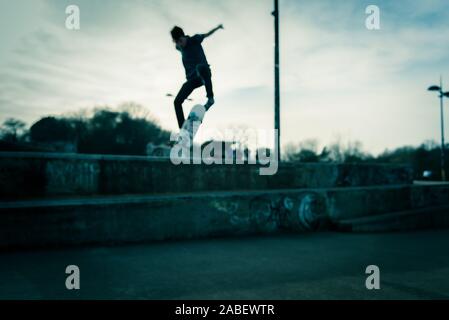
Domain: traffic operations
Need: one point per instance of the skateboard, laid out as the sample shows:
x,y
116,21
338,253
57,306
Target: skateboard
x,y
191,125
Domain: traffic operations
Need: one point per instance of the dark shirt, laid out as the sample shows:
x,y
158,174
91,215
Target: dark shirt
x,y
193,55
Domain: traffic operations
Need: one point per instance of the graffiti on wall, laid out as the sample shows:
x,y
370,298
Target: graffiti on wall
x,y
306,211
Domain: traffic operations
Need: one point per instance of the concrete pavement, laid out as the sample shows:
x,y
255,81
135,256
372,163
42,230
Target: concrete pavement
x,y
309,266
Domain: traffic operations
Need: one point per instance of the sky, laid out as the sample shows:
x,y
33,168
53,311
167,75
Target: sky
x,y
339,80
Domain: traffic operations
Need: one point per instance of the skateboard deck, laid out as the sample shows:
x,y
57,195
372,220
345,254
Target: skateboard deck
x,y
192,124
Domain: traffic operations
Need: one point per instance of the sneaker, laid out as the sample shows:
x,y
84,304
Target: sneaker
x,y
209,103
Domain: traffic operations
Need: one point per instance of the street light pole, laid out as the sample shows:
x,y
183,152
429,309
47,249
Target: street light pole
x,y
443,170
277,125
443,94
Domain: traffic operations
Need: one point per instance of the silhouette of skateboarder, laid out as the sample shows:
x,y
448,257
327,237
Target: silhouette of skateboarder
x,y
197,68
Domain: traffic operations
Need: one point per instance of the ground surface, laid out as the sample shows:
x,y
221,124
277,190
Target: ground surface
x,y
311,266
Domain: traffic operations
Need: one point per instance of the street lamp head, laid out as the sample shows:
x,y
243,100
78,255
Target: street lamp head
x,y
434,88
446,94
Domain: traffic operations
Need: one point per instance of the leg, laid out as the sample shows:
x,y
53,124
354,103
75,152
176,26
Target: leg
x,y
204,72
183,94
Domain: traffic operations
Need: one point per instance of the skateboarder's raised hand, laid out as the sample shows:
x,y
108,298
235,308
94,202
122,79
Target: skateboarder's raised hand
x,y
213,31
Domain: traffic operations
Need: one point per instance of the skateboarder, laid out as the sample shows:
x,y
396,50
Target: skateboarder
x,y
196,66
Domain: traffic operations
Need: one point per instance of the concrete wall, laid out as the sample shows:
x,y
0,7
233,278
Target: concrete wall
x,y
366,202
415,219
60,199
47,175
153,218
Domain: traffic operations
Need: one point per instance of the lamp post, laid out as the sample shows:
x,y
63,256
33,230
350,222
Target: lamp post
x,y
442,94
277,125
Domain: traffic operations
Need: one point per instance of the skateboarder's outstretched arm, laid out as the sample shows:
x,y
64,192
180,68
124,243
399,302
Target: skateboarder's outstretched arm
x,y
213,31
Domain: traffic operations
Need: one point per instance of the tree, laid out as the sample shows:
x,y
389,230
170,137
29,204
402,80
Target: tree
x,y
305,151
423,158
114,132
351,152
51,129
12,129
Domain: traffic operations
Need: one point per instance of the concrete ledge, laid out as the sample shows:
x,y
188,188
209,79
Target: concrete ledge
x,y
347,205
417,219
125,219
47,175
